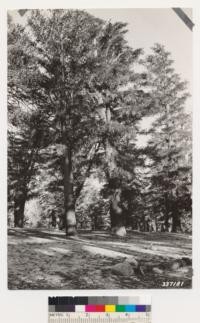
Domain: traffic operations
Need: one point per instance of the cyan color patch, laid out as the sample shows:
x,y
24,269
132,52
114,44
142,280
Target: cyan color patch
x,y
130,308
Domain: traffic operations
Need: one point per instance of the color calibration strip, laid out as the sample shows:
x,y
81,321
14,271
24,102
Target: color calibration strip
x,y
99,310
109,308
98,304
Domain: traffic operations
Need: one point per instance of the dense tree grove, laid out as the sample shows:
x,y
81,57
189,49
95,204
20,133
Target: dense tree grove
x,y
77,93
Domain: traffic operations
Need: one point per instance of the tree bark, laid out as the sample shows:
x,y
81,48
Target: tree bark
x,y
70,216
176,223
19,206
116,211
117,215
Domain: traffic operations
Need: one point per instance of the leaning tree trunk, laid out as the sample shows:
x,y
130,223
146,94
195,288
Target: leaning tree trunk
x,y
19,206
70,217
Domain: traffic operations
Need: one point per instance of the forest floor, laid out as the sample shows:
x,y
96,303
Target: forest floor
x,y
45,259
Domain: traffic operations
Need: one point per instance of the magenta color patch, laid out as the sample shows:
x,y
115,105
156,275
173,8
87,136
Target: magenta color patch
x,y
90,308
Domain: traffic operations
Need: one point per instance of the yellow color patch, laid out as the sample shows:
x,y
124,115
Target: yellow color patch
x,y
110,308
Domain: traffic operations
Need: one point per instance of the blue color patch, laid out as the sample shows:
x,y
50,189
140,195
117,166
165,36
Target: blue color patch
x,y
130,308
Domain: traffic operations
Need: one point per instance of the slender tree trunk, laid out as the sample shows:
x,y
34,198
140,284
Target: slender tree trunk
x,y
167,224
70,217
176,215
62,222
168,208
19,206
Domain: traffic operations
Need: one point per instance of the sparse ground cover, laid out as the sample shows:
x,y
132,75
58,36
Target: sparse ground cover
x,y
45,259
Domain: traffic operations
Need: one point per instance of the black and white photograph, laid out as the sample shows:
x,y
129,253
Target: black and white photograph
x,y
99,105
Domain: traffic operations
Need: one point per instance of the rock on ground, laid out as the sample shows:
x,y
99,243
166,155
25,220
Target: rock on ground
x,y
133,262
124,269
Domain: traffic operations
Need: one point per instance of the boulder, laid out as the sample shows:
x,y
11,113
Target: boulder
x,y
132,261
124,269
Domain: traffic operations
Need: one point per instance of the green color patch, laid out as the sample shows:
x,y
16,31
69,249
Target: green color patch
x,y
120,308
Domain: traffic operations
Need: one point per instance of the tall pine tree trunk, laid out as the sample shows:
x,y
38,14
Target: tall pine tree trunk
x,y
116,211
117,214
70,216
19,206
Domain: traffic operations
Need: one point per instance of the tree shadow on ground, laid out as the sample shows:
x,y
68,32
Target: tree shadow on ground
x,y
50,261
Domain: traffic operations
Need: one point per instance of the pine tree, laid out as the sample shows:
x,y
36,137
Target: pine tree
x,y
26,132
170,143
65,58
122,103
